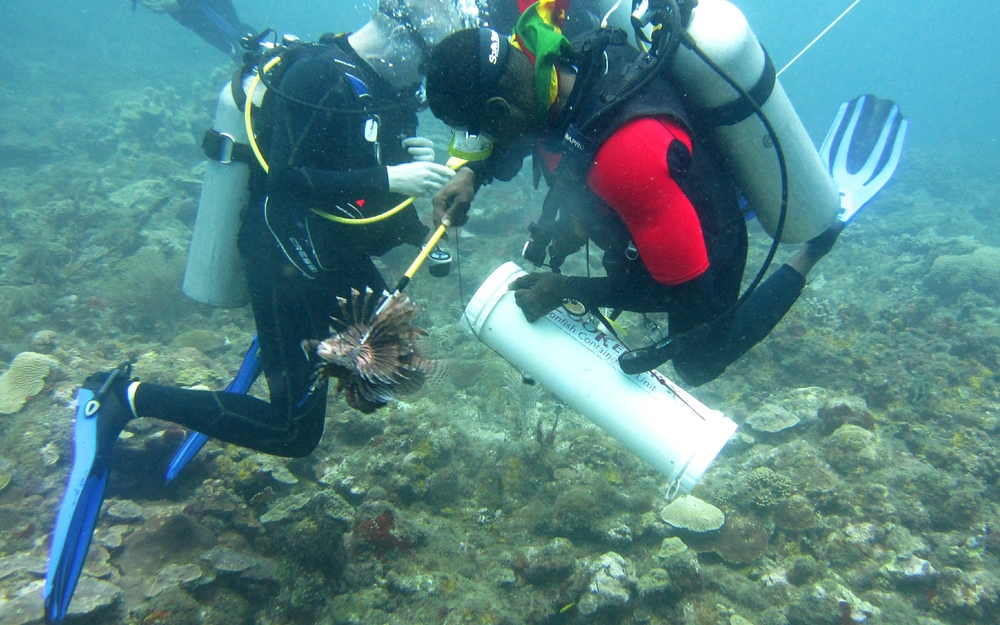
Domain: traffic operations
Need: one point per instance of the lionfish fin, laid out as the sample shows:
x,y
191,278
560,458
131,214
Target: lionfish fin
x,y
309,347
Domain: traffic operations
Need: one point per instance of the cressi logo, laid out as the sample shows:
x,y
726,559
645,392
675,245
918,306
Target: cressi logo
x,y
303,255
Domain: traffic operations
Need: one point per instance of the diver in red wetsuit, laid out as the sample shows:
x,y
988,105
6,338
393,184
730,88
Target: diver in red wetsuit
x,y
643,185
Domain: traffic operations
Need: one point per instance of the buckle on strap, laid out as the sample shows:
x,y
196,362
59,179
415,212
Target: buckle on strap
x,y
578,144
218,146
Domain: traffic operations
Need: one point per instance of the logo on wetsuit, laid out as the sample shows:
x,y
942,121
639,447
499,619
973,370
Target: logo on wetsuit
x,y
303,255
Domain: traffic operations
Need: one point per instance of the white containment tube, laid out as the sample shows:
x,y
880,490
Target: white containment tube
x,y
578,363
723,34
215,272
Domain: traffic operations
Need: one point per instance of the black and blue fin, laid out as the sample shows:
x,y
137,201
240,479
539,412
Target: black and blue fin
x,y
245,377
93,442
862,148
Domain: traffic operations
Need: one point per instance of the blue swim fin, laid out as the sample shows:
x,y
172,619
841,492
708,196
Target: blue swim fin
x,y
100,416
245,377
862,148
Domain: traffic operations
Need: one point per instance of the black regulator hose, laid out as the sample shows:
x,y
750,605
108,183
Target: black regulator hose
x,y
645,68
646,358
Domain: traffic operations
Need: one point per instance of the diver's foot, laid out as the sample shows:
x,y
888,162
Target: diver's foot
x,y
820,246
110,403
814,249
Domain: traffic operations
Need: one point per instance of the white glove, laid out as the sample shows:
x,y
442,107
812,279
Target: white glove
x,y
418,178
420,149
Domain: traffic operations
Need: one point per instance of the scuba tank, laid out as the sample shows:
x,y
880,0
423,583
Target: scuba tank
x,y
730,89
215,272
722,33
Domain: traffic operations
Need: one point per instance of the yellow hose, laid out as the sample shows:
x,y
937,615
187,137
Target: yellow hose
x,y
249,106
362,221
453,163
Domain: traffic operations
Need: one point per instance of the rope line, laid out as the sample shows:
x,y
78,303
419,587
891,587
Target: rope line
x,y
818,37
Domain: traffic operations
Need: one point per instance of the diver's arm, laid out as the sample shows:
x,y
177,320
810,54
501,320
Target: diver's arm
x,y
639,172
629,286
455,198
453,201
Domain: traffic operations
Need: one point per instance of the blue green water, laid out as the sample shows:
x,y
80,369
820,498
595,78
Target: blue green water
x,y
484,500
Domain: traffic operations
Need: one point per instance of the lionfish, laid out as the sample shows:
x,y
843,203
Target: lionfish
x,y
375,357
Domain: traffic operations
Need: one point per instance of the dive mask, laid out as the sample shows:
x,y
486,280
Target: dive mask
x,y
468,146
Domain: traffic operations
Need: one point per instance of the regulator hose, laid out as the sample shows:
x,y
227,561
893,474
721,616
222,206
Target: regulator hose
x,y
645,68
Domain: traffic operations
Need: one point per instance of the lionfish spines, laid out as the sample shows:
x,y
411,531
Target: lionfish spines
x,y
375,356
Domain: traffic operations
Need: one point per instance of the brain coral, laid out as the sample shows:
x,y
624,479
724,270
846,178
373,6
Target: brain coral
x,y
951,276
691,513
23,379
851,447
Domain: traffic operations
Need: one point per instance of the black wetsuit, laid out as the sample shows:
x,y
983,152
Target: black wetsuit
x,y
298,263
629,284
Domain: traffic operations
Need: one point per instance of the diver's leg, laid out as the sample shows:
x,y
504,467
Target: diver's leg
x,y
215,21
287,309
752,322
769,303
755,319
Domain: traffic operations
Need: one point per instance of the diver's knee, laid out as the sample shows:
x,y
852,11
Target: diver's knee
x,y
302,446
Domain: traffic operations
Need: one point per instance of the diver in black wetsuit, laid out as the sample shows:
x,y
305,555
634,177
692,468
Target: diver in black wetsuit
x,y
215,21
343,142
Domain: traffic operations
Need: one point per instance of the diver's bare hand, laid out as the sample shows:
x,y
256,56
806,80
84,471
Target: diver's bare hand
x,y
418,179
454,199
536,294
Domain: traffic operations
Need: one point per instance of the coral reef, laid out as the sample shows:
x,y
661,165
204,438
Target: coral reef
x,y
950,276
771,419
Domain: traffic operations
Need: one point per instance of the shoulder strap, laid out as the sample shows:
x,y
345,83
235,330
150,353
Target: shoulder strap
x,y
350,70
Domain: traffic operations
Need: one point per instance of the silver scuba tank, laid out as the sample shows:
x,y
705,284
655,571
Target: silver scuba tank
x,y
723,34
215,272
